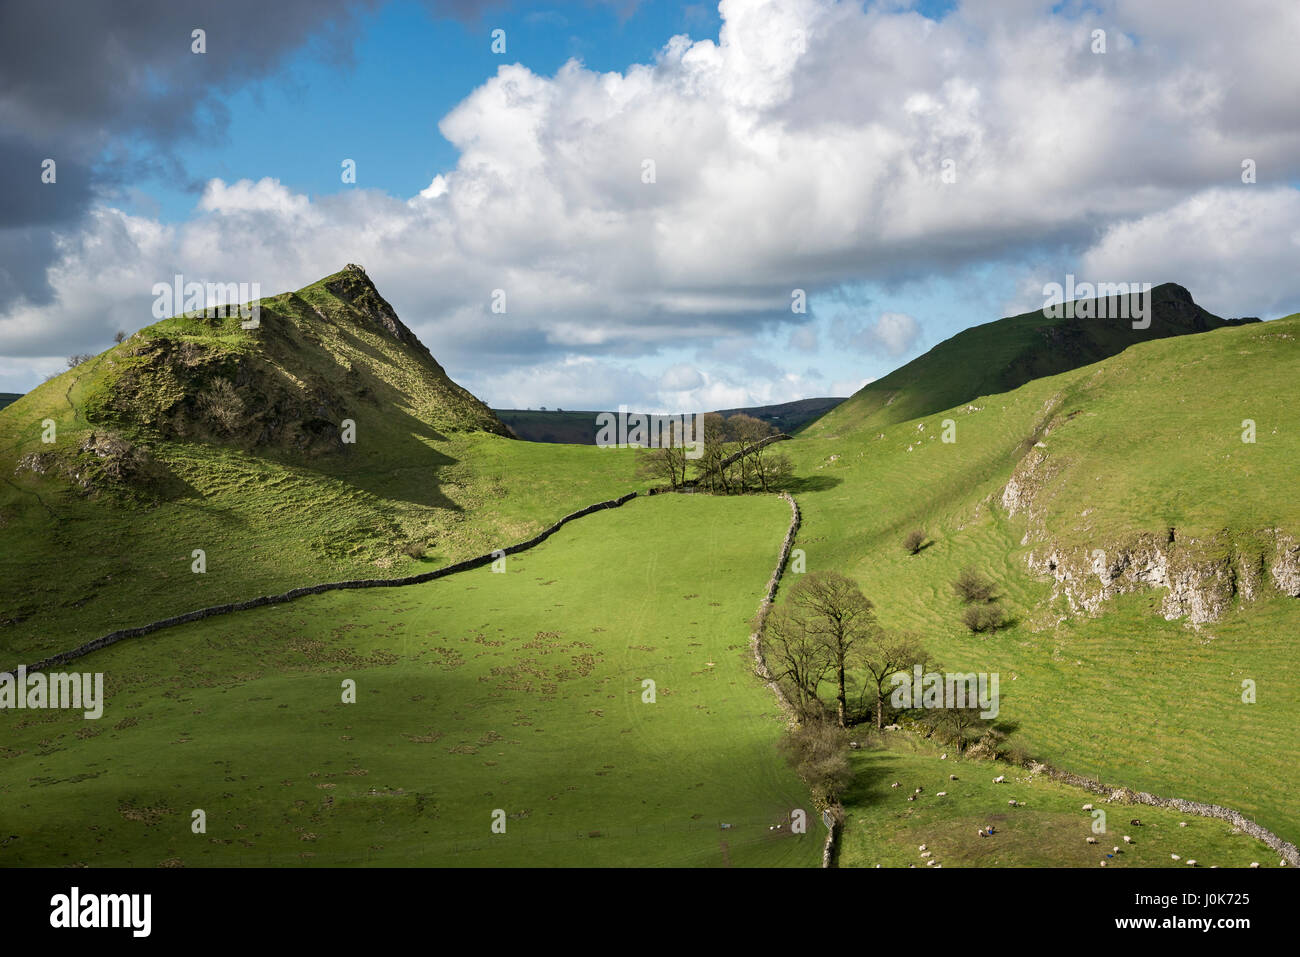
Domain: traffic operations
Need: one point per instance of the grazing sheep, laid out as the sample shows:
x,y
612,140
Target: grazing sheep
x,y
1115,849
1011,803
1087,807
1135,822
1254,863
1191,862
911,797
918,790
927,854
942,794
944,756
923,847
1175,857
1091,840
999,779
1182,823
897,784
930,863
1103,863
952,777
1127,839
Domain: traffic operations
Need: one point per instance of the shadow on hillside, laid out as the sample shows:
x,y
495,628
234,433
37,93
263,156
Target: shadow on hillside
x,y
812,483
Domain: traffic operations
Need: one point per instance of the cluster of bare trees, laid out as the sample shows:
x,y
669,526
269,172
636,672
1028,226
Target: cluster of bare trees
x,y
826,632
732,461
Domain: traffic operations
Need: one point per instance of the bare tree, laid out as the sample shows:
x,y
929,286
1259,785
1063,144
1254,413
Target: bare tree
x,y
797,659
834,610
883,654
119,337
914,541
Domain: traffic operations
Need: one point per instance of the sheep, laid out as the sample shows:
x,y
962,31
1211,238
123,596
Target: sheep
x,y
1087,807
1103,863
1191,862
897,784
911,797
1254,863
944,756
930,863
923,847
952,777
918,790
1182,823
1011,803
999,779
1135,822
1175,857
1091,840
925,854
1127,839
941,794
1115,849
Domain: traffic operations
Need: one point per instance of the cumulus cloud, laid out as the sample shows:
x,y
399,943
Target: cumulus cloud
x,y
805,147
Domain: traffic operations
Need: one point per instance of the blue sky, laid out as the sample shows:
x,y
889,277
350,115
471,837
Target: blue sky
x,y
798,145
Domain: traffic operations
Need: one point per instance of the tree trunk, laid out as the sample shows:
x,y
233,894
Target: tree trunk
x,y
840,698
880,709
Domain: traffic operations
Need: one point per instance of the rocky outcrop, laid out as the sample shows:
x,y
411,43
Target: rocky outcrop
x,y
1201,578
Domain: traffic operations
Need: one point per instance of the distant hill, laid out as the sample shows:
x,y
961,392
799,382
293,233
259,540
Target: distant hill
x,y
579,428
1000,356
8,398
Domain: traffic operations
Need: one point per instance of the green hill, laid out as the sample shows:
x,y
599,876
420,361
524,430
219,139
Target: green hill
x,y
1147,558
999,356
197,434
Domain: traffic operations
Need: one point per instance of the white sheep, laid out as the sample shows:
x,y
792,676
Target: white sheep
x,y
1115,849
922,847
930,863
925,854
1127,839
1254,863
1091,840
1191,862
1011,803
1182,823
1175,857
941,794
999,779
952,777
1103,863
897,784
1087,807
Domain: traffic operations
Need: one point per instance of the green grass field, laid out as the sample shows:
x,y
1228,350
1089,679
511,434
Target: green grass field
x,y
1050,830
520,691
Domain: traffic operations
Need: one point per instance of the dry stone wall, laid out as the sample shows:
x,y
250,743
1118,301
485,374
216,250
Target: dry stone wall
x,y
210,612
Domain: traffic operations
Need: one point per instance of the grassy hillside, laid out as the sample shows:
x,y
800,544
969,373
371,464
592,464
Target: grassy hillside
x,y
999,356
1108,457
520,691
153,459
1047,828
